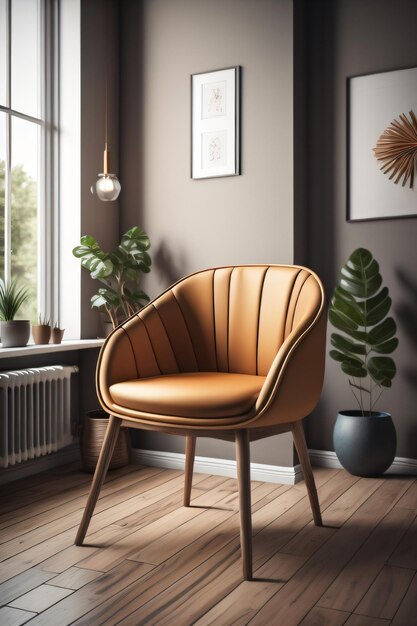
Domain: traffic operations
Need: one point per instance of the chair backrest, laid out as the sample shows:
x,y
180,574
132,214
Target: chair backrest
x,y
231,319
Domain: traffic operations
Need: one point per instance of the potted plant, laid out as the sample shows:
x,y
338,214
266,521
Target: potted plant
x,y
364,439
41,332
57,333
119,271
13,332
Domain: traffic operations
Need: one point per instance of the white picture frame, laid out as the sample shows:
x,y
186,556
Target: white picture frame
x,y
215,108
374,101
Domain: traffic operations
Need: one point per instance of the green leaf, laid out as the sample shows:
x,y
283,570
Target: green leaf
x,y
348,308
361,257
106,296
362,289
378,313
387,347
375,301
342,321
93,258
386,383
132,249
381,369
360,335
346,345
360,274
337,356
369,271
352,370
381,333
135,237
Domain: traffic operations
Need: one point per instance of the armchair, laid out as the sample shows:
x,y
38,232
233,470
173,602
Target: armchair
x,y
234,353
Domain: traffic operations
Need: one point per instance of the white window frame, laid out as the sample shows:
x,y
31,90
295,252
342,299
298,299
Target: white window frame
x,y
48,192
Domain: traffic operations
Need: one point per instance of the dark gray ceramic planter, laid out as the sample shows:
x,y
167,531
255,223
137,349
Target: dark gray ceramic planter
x,y
365,445
15,333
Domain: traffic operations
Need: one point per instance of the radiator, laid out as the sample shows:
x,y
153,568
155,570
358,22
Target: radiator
x,y
35,412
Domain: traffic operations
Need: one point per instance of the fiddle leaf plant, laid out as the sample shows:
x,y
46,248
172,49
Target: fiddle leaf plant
x,y
359,309
120,272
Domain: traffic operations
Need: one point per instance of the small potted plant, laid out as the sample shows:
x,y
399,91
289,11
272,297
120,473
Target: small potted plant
x,y
41,332
119,271
364,439
13,332
57,333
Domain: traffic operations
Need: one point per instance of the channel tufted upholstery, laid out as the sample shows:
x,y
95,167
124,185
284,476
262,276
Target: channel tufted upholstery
x,y
231,352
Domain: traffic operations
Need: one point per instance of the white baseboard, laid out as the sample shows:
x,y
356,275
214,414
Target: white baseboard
x,y
326,458
69,454
220,467
259,471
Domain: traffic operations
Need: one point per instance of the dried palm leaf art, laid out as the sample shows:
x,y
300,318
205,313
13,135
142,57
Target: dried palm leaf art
x,y
396,149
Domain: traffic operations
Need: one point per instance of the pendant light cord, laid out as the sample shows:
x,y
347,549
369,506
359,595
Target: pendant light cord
x,y
106,113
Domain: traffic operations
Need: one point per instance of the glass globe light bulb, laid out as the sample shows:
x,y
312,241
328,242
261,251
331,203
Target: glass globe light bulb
x,y
107,187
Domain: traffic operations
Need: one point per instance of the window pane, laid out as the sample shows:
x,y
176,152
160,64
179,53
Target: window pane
x,y
2,188
3,52
25,56
25,187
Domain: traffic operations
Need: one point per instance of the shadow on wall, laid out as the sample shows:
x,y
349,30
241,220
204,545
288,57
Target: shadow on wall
x,y
407,315
169,266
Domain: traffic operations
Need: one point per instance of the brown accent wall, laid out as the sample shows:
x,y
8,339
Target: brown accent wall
x,y
202,223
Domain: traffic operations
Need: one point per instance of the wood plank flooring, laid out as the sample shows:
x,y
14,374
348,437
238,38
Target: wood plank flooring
x,y
148,560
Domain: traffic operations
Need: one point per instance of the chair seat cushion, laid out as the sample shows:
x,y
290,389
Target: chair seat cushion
x,y
196,394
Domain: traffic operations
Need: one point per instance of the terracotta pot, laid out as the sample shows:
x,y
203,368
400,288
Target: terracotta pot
x,y
57,334
92,437
41,333
15,333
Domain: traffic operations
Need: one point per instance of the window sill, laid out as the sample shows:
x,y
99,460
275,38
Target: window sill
x,y
65,346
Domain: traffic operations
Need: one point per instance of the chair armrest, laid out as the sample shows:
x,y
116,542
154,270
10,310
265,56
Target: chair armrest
x,y
294,382
116,363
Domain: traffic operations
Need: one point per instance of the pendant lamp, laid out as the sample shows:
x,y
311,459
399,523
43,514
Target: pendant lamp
x,y
107,186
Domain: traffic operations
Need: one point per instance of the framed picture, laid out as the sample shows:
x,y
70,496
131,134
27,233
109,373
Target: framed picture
x,y
382,145
215,123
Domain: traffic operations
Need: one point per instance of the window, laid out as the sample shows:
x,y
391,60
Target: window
x,y
28,139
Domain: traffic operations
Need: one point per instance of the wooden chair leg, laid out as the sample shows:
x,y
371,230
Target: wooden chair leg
x,y
302,451
190,442
107,449
243,477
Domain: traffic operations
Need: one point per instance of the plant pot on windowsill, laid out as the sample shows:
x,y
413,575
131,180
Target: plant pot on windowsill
x,y
41,333
57,334
91,440
15,333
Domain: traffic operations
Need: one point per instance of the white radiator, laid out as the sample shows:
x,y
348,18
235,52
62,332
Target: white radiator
x,y
35,412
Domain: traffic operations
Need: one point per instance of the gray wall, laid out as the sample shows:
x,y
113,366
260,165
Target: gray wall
x,y
345,38
196,224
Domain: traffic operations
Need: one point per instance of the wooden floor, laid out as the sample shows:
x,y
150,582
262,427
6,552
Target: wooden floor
x,y
148,560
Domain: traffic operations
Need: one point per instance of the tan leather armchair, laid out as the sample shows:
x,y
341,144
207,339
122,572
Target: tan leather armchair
x,y
235,353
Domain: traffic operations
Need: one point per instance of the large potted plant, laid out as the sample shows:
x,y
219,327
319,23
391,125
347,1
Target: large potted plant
x,y
120,272
364,439
13,332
